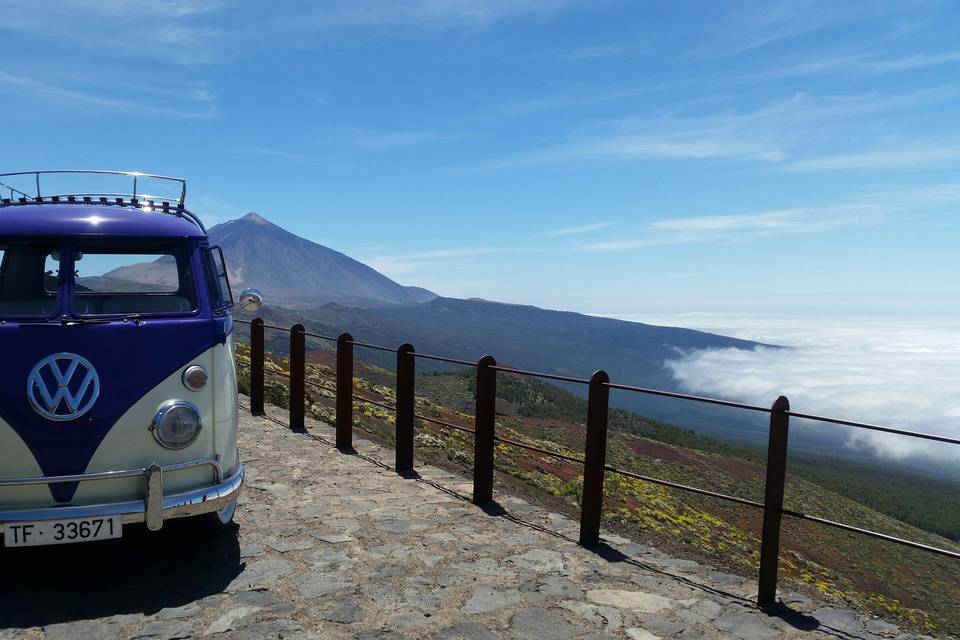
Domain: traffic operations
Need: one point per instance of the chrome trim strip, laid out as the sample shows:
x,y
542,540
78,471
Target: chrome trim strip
x,y
213,462
103,475
110,475
190,503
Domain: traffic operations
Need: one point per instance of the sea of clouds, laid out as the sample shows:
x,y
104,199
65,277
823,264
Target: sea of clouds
x,y
890,370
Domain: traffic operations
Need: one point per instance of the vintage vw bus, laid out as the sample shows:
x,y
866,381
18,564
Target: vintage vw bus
x,y
118,395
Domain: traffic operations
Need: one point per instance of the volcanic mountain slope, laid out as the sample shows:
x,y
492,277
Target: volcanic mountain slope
x,y
524,336
295,272
328,292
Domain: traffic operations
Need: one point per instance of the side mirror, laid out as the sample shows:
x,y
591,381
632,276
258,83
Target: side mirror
x,y
250,300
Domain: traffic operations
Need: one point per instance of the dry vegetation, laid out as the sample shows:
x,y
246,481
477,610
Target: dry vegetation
x,y
914,588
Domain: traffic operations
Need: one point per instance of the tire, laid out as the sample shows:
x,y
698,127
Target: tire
x,y
218,522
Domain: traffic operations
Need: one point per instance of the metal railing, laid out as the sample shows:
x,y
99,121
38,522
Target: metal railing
x,y
180,197
594,461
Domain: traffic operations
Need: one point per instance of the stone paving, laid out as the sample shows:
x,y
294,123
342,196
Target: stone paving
x,y
332,545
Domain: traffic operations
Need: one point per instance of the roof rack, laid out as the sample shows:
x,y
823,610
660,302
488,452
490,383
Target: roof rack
x,y
171,203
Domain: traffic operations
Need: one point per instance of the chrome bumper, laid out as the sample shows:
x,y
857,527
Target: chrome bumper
x,y
152,510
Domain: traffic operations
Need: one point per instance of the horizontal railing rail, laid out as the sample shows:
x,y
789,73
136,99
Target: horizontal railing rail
x,y
375,347
444,423
428,356
540,374
594,460
382,405
321,386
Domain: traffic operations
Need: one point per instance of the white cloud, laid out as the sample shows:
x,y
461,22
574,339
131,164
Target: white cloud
x,y
389,140
27,13
293,156
920,204
425,262
603,50
790,221
856,64
459,252
200,32
154,102
761,25
893,157
571,231
896,371
697,138
739,228
695,143
573,100
784,132
910,62
421,14
162,29
768,134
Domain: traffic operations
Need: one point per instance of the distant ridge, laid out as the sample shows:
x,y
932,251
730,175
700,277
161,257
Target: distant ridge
x,y
295,272
329,292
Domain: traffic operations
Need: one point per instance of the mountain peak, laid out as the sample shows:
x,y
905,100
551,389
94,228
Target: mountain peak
x,y
255,218
297,272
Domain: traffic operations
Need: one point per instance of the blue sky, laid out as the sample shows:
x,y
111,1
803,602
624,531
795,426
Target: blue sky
x,y
604,156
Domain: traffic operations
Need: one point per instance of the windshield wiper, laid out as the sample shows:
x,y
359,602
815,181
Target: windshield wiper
x,y
67,321
136,317
32,320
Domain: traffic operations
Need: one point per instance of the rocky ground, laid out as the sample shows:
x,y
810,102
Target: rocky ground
x,y
334,545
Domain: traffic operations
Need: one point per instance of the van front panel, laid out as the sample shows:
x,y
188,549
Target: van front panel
x,y
130,359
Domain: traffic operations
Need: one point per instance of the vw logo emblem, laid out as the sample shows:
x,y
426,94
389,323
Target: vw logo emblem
x,y
63,387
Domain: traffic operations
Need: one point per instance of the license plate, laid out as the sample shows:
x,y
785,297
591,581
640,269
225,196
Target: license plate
x,y
34,534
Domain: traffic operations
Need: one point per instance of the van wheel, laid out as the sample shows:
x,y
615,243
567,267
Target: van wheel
x,y
217,522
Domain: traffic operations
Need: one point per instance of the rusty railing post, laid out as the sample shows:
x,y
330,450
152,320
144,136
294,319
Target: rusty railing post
x,y
406,382
773,502
297,377
344,391
595,458
256,367
485,425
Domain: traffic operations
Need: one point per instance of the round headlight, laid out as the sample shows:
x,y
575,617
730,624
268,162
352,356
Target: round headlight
x,y
195,377
176,424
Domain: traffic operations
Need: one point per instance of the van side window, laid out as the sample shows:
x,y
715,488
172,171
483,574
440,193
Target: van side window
x,y
217,279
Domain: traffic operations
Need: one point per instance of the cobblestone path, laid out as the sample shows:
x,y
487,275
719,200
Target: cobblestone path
x,y
332,545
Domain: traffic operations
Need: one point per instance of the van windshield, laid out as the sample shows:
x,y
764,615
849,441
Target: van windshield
x,y
29,279
132,278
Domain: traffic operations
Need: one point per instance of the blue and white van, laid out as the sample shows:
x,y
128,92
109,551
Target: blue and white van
x,y
118,394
